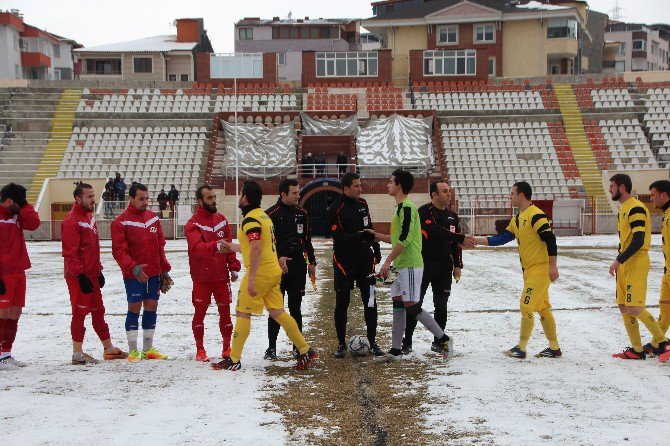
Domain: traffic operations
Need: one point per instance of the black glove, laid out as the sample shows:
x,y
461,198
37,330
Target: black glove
x,y
17,193
367,237
101,280
3,290
85,284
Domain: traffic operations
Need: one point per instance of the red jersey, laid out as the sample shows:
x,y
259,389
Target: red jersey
x,y
81,244
13,252
137,239
203,233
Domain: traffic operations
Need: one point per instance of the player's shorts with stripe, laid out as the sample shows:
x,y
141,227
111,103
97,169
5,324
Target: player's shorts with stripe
x,y
535,294
408,284
15,290
268,295
631,281
137,291
203,291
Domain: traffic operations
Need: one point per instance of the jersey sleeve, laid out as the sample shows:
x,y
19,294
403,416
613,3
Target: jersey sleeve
x,y
637,219
252,228
511,227
540,223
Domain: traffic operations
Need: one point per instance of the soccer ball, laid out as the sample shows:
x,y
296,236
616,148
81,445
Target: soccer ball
x,y
359,345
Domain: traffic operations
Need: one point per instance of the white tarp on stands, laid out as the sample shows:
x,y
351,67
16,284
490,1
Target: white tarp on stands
x,y
263,152
317,126
395,141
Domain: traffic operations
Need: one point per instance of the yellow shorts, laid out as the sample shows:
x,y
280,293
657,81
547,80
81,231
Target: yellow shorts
x,y
535,294
631,281
665,288
268,295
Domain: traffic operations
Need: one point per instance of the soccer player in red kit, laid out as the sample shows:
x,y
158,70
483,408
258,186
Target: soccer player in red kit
x,y
16,215
211,270
83,274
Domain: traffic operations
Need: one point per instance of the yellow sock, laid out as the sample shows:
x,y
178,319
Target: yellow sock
x,y
664,317
527,321
240,335
633,330
650,322
549,326
293,332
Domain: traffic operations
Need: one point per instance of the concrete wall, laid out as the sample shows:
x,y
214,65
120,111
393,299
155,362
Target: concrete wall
x,y
9,55
127,67
178,65
60,191
524,49
400,43
592,48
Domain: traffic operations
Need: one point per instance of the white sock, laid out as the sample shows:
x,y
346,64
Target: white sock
x,y
132,340
4,355
148,339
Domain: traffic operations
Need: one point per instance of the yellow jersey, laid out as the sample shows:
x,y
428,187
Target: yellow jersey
x,y
633,217
665,233
256,225
527,227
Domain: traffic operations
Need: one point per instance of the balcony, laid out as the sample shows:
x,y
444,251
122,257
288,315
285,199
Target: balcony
x,y
562,47
35,60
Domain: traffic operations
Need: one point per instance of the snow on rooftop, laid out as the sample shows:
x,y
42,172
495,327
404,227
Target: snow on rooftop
x,y
544,6
148,44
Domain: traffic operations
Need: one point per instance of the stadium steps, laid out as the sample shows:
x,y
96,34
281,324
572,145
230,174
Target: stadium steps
x,y
585,159
61,130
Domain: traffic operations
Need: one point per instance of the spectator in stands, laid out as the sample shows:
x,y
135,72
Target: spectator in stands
x,y
162,201
308,165
173,196
320,161
120,190
111,188
107,198
342,163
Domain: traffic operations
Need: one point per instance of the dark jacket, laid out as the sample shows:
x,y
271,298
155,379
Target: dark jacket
x,y
347,217
292,232
173,195
441,235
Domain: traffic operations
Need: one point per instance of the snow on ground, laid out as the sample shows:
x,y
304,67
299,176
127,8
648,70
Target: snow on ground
x,y
586,397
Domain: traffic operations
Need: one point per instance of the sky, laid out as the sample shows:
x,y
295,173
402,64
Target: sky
x,y
98,22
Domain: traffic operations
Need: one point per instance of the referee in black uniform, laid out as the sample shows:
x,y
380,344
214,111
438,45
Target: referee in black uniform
x,y
442,256
355,254
293,240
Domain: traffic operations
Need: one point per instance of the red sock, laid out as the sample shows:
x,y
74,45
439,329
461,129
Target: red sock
x,y
198,326
77,328
9,334
225,325
2,331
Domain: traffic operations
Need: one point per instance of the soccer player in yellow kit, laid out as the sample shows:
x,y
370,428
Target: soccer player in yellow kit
x,y
660,198
260,287
538,252
631,269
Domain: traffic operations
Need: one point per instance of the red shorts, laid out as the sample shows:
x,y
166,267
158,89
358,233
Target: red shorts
x,y
84,303
202,293
15,290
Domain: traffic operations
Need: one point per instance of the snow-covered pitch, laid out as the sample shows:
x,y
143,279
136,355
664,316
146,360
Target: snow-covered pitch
x,y
586,397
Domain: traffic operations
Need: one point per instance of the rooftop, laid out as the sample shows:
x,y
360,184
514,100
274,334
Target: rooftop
x,y
155,44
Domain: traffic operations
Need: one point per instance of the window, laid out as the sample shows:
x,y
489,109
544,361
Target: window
x,y
450,63
56,50
346,64
558,28
184,77
57,74
555,69
492,66
447,35
103,66
17,71
639,45
16,42
620,66
485,33
621,50
246,33
281,59
238,65
172,77
143,65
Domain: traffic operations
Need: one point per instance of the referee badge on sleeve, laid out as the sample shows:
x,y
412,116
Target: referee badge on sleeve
x,y
300,228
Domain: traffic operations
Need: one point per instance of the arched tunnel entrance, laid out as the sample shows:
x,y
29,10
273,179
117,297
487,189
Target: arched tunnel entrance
x,y
316,197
